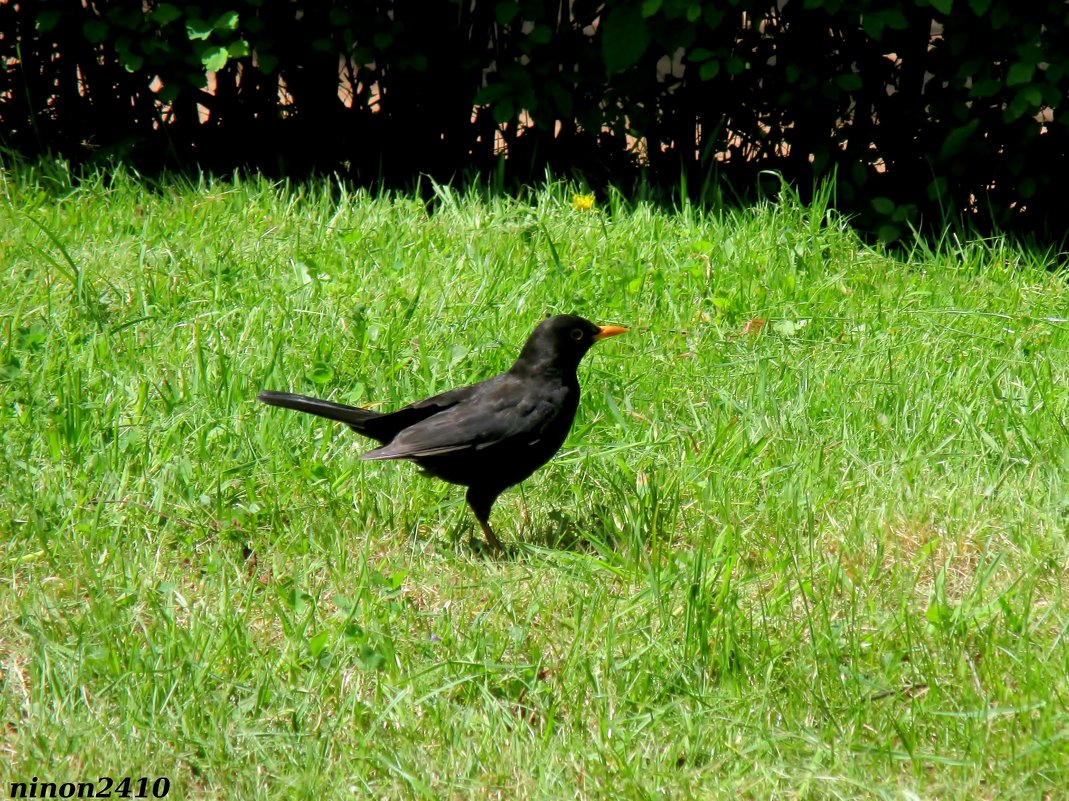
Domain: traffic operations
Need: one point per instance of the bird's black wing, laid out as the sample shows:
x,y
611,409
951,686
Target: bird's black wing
x,y
501,409
387,426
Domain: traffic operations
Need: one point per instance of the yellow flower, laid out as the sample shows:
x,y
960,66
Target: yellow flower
x,y
583,202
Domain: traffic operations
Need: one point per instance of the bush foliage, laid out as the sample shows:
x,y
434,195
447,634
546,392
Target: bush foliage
x,y
918,110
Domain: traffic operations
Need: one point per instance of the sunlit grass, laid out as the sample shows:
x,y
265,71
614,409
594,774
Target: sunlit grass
x,y
807,539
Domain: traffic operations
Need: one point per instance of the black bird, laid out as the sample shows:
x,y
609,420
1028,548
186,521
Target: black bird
x,y
491,435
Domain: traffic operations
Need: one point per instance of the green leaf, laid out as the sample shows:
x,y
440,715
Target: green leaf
x,y
152,47
985,87
46,20
122,15
883,205
889,233
214,58
788,328
491,93
937,612
1033,96
165,13
131,61
1026,187
712,16
238,49
197,28
561,97
709,70
504,13
371,659
503,111
339,17
699,54
95,30
873,25
848,82
956,139
266,62
227,21
382,40
167,93
318,643
1020,72
894,18
904,212
624,38
937,188
650,7
875,22
293,597
979,7
942,6
541,34
322,373
1052,95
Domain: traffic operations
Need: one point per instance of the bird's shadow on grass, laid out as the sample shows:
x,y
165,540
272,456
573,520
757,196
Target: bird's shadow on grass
x,y
592,534
563,532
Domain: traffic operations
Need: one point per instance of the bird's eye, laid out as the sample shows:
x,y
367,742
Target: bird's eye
x,y
577,333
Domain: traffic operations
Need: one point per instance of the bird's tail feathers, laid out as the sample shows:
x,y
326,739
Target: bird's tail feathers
x,y
352,416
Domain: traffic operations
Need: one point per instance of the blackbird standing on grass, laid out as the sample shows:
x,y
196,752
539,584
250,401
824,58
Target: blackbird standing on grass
x,y
491,435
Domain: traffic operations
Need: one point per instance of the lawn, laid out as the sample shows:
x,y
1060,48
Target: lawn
x,y
807,539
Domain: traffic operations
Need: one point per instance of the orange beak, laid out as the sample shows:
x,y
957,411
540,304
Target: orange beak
x,y
609,331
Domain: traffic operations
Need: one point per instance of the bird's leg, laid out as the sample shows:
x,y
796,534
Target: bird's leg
x,y
491,537
480,502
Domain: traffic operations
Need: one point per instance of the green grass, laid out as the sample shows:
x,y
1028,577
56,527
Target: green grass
x,y
824,560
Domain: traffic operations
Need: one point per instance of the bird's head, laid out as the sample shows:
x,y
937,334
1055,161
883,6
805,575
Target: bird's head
x,y
561,342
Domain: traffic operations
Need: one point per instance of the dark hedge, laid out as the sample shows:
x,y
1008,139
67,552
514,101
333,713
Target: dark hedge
x,y
920,111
